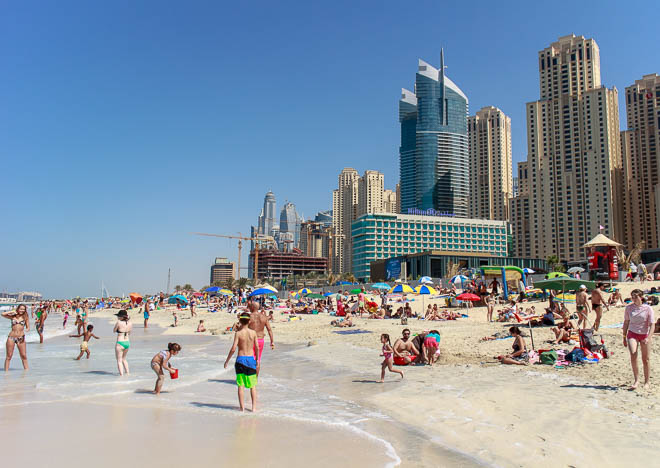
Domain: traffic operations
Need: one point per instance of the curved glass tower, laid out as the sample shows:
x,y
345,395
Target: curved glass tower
x,y
434,156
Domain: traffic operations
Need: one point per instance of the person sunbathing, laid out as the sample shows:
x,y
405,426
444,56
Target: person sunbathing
x,y
615,299
519,355
343,322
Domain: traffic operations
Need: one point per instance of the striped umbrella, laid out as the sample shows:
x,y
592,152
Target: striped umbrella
x,y
424,289
426,280
459,279
401,288
304,291
380,286
226,292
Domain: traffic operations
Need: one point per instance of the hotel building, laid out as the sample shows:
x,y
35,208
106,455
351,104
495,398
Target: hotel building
x,y
640,146
491,181
222,271
386,235
574,156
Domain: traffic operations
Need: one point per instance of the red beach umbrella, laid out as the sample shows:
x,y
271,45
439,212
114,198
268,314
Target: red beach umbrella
x,y
135,297
468,297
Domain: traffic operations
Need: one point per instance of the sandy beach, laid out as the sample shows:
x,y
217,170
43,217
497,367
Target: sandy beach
x,y
503,415
467,410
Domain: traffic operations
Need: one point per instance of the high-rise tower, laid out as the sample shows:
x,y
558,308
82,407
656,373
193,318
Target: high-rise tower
x,y
574,155
640,146
267,216
491,181
434,161
289,227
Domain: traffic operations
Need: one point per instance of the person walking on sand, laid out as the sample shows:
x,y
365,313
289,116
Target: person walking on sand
x,y
84,346
259,321
20,324
490,304
582,306
388,354
160,363
246,366
638,330
597,302
122,328
361,302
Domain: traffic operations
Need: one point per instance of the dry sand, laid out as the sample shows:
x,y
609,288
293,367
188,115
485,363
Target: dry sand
x,y
505,415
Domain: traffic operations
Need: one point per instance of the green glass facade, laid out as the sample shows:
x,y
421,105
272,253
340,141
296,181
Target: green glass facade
x,y
380,236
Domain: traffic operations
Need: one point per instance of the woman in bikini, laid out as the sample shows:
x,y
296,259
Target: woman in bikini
x,y
20,324
122,328
519,355
159,363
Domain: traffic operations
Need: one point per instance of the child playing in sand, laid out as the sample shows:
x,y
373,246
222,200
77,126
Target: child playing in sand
x,y
388,354
431,345
176,318
84,348
159,363
245,339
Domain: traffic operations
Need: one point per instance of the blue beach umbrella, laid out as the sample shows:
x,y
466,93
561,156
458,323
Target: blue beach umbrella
x,y
459,279
214,289
426,280
261,292
380,286
402,288
424,289
304,291
177,299
329,294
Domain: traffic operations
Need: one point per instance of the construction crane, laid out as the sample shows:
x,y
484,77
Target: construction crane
x,y
257,240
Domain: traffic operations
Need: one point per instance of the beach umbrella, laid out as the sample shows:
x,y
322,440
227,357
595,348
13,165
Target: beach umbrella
x,y
459,279
342,283
401,288
528,271
328,294
355,291
177,299
135,297
315,296
575,269
265,286
226,292
468,297
260,292
424,289
426,280
212,289
557,274
565,283
124,301
304,291
380,286
198,294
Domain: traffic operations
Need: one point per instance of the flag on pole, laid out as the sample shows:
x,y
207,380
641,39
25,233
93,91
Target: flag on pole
x,y
601,227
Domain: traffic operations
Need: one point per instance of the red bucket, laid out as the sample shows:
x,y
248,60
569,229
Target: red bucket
x,y
174,374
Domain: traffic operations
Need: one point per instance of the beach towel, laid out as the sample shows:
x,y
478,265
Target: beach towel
x,y
614,325
352,332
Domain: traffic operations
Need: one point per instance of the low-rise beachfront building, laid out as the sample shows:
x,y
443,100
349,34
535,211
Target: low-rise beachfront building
x,y
276,265
386,235
222,271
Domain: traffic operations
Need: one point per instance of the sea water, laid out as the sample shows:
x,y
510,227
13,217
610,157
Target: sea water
x,y
58,391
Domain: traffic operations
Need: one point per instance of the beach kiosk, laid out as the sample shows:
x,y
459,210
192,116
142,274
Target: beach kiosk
x,y
601,253
507,274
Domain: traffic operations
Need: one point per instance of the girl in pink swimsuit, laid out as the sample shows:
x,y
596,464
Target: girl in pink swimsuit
x,y
388,354
638,328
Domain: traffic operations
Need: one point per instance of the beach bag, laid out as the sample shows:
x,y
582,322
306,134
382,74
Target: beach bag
x,y
549,357
575,356
533,357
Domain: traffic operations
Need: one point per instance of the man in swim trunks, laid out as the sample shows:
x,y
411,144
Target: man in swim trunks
x,y
597,302
404,347
245,339
259,321
582,306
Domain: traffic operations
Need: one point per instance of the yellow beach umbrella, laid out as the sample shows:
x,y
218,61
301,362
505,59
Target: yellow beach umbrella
x,y
401,288
425,289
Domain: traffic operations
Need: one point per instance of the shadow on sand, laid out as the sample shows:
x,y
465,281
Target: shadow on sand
x,y
225,381
214,405
595,387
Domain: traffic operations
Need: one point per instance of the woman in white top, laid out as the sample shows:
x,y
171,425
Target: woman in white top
x,y
637,331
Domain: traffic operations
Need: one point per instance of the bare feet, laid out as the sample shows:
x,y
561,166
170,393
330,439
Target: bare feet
x,y
381,381
634,386
401,374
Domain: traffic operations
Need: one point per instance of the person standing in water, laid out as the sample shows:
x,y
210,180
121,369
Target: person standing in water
x,y
160,363
245,339
42,315
20,324
259,321
122,328
146,313
84,348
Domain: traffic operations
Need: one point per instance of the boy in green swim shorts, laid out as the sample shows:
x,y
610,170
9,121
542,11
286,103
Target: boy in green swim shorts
x,y
246,365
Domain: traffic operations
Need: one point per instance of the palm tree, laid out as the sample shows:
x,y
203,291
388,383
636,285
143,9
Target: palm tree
x,y
350,277
624,260
177,288
187,287
330,279
554,263
242,283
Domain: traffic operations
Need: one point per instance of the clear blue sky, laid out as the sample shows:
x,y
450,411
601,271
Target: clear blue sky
x,y
125,125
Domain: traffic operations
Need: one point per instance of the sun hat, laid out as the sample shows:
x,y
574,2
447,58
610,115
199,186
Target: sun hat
x,y
122,314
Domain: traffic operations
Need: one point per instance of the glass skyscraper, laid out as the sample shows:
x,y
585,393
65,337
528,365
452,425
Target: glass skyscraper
x,y
289,225
434,156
